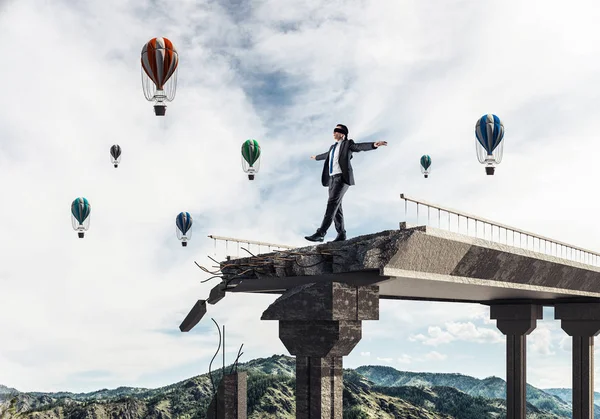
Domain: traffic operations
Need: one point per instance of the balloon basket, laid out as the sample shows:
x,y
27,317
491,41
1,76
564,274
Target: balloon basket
x,y
426,176
116,165
184,244
489,170
251,177
80,234
160,110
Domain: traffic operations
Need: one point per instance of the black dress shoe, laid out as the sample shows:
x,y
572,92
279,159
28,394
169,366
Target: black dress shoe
x,y
340,237
317,237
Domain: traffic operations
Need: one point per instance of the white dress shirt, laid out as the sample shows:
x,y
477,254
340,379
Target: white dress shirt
x,y
336,159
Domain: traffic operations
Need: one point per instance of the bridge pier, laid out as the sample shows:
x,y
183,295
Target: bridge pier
x,y
319,324
582,322
516,321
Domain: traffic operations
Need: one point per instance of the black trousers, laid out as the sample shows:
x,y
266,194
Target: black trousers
x,y
334,213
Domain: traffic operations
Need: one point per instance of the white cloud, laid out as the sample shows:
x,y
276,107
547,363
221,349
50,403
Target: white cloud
x,y
404,359
550,374
540,340
386,360
470,333
566,343
436,337
365,354
482,313
457,331
414,315
435,356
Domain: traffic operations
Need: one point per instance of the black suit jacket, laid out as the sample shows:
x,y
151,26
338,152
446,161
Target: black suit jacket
x,y
346,148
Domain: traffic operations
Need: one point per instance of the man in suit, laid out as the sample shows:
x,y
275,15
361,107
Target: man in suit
x,y
338,175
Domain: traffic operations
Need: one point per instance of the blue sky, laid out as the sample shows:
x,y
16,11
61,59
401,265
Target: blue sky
x,y
80,315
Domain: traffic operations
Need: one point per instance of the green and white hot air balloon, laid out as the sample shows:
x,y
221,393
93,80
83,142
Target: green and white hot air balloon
x,y
250,157
425,165
80,215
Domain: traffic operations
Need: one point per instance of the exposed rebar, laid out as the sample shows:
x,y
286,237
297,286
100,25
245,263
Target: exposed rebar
x,y
213,358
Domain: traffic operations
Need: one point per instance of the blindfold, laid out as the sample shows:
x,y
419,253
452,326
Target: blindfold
x,y
340,130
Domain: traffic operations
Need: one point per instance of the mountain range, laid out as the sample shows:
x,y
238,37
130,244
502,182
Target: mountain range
x,y
370,391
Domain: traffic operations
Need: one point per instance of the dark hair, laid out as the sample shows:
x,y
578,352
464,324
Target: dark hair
x,y
345,128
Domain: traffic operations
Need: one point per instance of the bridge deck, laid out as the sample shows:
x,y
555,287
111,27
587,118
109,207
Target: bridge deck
x,y
421,263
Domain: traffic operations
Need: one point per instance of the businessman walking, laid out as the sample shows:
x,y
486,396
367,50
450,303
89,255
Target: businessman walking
x,y
338,175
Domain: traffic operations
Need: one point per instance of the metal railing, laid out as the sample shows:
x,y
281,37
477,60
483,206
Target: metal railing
x,y
269,246
475,226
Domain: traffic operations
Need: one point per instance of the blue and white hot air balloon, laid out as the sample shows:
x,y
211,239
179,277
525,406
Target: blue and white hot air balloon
x,y
80,215
490,132
184,227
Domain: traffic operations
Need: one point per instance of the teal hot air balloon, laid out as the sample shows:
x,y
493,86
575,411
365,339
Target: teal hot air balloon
x,y
80,215
183,222
250,157
489,131
425,165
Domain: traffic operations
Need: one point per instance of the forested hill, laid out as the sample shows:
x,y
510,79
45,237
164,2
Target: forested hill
x,y
369,392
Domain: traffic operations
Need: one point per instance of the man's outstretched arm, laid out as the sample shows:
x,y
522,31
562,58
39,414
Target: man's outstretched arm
x,y
321,156
355,147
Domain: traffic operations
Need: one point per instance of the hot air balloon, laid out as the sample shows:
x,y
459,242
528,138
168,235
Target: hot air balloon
x,y
115,155
80,215
159,73
425,165
250,157
490,132
184,227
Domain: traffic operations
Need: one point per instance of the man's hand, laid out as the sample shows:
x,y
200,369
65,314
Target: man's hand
x,y
380,143
313,157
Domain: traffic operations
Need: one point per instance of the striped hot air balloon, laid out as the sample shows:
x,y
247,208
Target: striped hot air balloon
x,y
250,157
159,72
183,222
489,131
115,155
425,165
80,215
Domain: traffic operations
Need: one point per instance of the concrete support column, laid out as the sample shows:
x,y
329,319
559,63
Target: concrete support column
x,y
319,387
582,322
321,323
230,401
516,321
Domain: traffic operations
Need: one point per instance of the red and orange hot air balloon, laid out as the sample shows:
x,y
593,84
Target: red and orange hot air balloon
x,y
159,73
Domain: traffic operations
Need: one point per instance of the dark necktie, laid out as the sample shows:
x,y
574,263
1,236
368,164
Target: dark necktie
x,y
331,159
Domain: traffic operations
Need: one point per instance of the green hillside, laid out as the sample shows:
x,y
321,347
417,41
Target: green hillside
x,y
369,392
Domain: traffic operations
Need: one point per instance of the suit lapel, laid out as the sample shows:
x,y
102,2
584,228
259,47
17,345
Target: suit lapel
x,y
344,150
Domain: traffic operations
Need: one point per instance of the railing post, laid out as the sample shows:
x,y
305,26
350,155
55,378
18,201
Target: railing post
x,y
417,213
